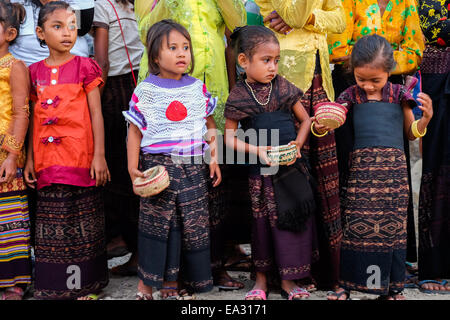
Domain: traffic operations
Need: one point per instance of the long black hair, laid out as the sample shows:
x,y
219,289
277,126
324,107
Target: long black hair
x,y
37,3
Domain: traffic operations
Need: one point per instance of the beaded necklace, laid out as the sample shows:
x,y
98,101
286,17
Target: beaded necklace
x,y
254,96
6,59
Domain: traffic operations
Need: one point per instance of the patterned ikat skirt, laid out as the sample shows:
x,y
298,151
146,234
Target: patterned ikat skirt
x,y
373,249
70,243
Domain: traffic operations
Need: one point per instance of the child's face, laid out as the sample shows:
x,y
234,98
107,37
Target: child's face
x,y
174,56
263,65
59,31
371,79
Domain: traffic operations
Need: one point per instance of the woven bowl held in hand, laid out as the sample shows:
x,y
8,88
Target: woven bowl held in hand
x,y
156,180
282,155
330,114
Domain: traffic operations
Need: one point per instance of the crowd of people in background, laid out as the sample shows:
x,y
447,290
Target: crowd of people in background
x,y
93,94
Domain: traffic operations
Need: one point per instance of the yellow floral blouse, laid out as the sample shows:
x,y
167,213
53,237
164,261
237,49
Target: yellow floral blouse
x,y
435,21
299,47
399,24
205,20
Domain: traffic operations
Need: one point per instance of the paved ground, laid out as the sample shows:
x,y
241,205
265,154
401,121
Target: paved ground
x,y
124,288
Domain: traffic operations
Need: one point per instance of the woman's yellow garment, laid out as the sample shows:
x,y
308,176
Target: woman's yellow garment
x,y
299,47
205,20
400,25
13,122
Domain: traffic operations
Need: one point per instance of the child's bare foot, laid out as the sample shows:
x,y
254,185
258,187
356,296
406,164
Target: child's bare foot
x,y
225,282
399,296
393,296
259,291
434,286
307,283
338,294
169,291
12,293
291,291
144,292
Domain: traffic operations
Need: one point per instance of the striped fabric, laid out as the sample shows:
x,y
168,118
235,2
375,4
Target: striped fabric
x,y
14,239
192,147
171,115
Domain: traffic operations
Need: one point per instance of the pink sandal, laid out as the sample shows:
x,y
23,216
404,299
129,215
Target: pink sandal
x,y
12,292
261,294
295,294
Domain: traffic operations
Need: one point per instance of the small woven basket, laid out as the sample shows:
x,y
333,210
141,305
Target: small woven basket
x,y
282,155
156,180
330,114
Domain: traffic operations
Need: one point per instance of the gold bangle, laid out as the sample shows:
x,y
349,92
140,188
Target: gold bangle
x,y
11,144
415,131
316,134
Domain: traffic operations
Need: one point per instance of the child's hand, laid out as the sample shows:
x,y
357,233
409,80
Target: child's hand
x,y
277,23
427,105
320,128
262,154
99,171
298,156
135,173
29,174
8,170
215,174
345,60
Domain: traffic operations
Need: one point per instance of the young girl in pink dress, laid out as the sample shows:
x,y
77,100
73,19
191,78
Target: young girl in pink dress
x,y
66,162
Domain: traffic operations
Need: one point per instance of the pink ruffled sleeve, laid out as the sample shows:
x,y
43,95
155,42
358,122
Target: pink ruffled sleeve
x,y
92,74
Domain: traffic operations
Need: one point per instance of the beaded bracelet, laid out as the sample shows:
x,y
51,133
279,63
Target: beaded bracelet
x,y
415,131
316,134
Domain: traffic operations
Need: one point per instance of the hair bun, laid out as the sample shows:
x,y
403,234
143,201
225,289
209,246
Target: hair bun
x,y
236,31
18,12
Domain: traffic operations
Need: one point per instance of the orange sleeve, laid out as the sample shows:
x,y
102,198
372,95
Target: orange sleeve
x,y
97,82
92,75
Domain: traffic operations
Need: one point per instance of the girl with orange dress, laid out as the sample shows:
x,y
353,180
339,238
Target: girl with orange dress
x,y
66,162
